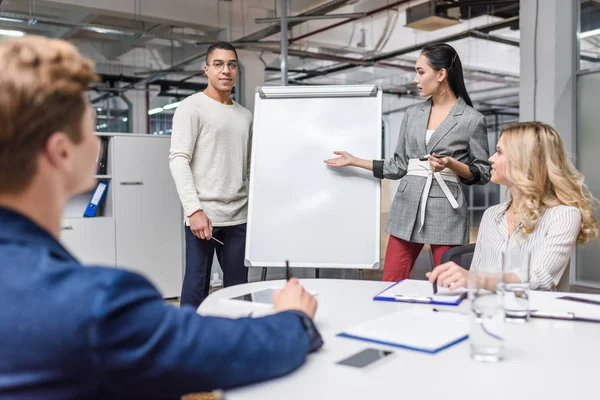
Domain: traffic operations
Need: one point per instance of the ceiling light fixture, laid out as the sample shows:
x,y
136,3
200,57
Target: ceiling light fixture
x,y
10,19
155,111
587,34
8,32
172,105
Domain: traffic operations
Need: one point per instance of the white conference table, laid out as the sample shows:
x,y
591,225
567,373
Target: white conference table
x,y
544,359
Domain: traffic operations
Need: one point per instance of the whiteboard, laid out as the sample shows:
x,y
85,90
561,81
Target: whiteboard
x,y
299,209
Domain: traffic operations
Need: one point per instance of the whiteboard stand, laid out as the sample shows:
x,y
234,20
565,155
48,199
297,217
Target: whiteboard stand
x,y
298,208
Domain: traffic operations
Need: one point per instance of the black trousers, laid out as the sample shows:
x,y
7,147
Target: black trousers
x,y
199,258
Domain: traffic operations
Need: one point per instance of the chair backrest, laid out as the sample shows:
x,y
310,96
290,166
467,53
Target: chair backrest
x,y
462,255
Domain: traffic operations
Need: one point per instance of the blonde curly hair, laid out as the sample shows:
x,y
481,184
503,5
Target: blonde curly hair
x,y
538,168
42,91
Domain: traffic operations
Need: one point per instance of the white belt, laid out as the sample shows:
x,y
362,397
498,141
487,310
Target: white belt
x,y
417,167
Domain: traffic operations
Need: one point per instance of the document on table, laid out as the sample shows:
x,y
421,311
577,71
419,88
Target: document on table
x,y
415,291
552,305
419,329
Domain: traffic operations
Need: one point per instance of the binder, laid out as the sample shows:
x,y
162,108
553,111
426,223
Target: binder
x,y
417,329
102,156
415,291
96,199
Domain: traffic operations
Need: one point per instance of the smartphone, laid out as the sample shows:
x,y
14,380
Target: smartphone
x,y
263,296
364,358
437,156
579,299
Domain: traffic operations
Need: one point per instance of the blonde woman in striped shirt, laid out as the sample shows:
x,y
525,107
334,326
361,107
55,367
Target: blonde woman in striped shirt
x,y
549,213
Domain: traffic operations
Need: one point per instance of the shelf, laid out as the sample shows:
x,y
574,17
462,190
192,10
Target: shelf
x,y
103,176
75,217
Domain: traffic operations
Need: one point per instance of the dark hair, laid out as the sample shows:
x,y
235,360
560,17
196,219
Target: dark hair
x,y
442,55
221,46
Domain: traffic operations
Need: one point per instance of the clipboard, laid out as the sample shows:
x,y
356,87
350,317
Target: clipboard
x,y
552,305
421,292
96,199
416,329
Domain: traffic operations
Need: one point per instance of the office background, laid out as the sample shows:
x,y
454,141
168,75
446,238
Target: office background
x,y
523,60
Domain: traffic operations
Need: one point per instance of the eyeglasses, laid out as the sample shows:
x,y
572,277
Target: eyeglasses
x,y
219,65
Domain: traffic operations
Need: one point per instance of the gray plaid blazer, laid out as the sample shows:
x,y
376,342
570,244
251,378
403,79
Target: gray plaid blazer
x,y
463,136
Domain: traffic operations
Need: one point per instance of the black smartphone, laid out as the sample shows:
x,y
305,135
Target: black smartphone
x,y
364,358
580,300
264,296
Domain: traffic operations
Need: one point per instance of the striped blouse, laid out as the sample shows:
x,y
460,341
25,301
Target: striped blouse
x,y
550,245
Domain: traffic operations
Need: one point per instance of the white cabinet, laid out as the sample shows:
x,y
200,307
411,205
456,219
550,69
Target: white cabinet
x,y
140,225
90,240
149,220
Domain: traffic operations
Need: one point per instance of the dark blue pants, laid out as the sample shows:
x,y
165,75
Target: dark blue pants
x,y
199,258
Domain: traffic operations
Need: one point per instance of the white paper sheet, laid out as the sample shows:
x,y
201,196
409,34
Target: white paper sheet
x,y
421,292
414,328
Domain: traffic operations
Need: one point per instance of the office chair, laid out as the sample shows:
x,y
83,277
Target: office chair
x,y
462,255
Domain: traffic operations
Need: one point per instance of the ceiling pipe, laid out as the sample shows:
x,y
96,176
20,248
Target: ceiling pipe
x,y
367,14
483,33
256,36
295,18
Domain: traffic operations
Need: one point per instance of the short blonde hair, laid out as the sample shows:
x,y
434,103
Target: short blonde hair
x,y
538,168
42,86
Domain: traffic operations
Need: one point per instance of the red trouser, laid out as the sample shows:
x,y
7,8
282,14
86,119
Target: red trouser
x,y
400,257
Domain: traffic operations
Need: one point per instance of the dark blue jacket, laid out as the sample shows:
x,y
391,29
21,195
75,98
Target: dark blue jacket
x,y
74,332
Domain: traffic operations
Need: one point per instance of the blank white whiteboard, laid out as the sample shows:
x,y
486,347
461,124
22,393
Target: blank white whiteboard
x,y
299,209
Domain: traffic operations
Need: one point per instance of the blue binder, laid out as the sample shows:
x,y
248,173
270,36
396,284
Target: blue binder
x,y
96,199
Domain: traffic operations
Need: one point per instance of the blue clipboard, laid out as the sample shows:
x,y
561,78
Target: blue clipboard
x,y
96,199
401,346
419,292
415,328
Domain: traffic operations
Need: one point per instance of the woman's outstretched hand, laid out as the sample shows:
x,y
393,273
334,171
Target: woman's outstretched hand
x,y
343,160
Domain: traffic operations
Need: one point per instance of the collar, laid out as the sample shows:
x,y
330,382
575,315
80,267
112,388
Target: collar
x,y
457,109
500,211
17,228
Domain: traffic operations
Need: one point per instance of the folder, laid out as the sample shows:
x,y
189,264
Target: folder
x,y
551,305
418,329
102,157
96,199
414,291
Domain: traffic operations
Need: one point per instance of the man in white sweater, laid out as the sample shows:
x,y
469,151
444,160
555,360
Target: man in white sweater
x,y
209,161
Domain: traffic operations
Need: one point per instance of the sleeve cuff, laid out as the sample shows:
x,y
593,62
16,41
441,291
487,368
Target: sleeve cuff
x,y
378,169
476,178
315,342
193,212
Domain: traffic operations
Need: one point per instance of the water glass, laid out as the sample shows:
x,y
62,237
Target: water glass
x,y
515,264
486,317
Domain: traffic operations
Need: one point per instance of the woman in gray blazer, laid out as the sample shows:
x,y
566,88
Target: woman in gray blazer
x,y
443,143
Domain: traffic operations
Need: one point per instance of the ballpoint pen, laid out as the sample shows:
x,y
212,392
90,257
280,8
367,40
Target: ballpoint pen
x,y
287,270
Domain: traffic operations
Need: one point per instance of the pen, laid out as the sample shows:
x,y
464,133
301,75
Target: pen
x,y
565,316
287,270
449,311
217,240
413,299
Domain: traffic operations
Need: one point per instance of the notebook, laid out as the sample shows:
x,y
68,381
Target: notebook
x,y
419,329
414,291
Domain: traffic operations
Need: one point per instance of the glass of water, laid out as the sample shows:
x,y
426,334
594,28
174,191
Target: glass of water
x,y
515,264
486,317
